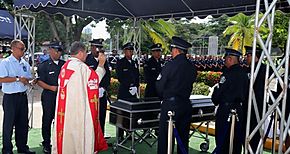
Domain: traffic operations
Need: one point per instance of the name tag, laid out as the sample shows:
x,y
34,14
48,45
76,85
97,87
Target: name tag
x,y
50,72
91,66
153,69
125,69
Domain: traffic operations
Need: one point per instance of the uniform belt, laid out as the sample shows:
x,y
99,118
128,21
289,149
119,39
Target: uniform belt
x,y
231,104
174,99
19,93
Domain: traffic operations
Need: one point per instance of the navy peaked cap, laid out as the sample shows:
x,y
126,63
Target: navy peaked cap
x,y
128,46
180,43
156,47
249,50
56,45
232,52
97,42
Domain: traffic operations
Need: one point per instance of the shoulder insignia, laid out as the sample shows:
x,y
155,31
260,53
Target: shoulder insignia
x,y
223,79
159,77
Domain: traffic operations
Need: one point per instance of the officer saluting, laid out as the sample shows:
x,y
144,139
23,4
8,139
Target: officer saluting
x,y
48,72
174,85
231,93
93,62
152,69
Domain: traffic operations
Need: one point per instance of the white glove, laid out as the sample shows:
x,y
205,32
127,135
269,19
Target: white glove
x,y
101,92
133,90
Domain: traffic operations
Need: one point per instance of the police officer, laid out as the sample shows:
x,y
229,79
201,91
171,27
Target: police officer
x,y
174,85
48,72
259,87
231,93
15,76
128,76
152,69
93,62
113,58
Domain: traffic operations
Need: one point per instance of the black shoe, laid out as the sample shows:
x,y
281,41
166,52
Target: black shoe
x,y
26,151
47,150
107,137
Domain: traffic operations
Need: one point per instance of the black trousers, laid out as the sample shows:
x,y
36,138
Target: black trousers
x,y
103,109
48,101
15,107
182,118
223,128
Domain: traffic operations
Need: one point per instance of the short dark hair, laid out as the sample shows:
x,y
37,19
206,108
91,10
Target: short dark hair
x,y
76,47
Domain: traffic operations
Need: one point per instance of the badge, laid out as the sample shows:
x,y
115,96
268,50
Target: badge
x,y
223,79
159,77
50,72
24,69
153,69
125,69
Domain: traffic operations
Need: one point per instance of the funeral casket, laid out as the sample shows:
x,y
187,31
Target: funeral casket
x,y
135,114
203,108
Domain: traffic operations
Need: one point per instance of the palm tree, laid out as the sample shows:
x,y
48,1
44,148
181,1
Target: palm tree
x,y
159,31
241,31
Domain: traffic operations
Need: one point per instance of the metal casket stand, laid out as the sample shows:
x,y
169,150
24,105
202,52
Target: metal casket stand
x,y
137,117
203,111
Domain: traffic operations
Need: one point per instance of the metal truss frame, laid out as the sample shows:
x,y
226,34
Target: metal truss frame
x,y
27,22
278,73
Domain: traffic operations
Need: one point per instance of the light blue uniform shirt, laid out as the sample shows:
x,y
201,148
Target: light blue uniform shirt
x,y
11,67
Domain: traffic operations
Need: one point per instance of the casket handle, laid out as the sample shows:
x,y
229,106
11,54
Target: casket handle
x,y
141,121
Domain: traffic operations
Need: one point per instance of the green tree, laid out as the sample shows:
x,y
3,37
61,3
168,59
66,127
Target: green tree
x,y
242,31
280,29
159,31
216,27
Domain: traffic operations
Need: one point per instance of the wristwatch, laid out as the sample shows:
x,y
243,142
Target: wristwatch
x,y
17,79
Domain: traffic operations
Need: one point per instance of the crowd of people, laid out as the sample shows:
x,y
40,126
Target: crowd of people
x,y
75,94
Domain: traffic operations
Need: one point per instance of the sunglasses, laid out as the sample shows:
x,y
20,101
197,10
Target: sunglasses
x,y
22,49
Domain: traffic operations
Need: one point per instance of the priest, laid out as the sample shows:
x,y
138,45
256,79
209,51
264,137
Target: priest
x,y
77,128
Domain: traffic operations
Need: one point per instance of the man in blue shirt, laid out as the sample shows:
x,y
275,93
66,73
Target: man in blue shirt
x,y
15,75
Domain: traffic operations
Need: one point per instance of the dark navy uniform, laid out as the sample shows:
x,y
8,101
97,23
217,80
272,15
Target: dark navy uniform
x,y
152,69
105,83
113,61
174,85
231,93
259,87
48,72
128,76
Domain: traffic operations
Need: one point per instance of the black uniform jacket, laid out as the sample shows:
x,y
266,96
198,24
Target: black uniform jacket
x,y
48,72
128,76
93,63
233,87
176,78
152,69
